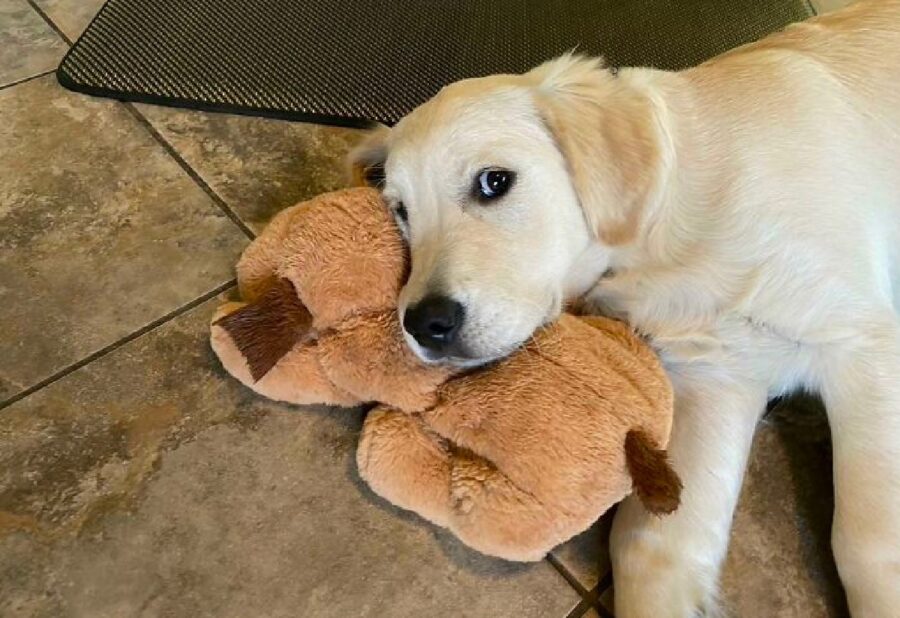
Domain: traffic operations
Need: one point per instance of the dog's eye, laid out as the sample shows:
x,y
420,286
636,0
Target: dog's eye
x,y
400,212
491,184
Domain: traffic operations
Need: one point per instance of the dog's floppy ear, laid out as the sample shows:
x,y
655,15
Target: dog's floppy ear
x,y
367,159
656,484
606,130
265,330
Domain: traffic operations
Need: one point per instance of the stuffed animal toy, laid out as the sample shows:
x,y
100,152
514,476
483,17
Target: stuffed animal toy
x,y
515,457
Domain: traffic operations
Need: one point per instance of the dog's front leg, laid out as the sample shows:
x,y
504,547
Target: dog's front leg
x,y
861,389
668,567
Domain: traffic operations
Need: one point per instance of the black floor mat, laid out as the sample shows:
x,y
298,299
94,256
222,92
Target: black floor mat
x,y
354,61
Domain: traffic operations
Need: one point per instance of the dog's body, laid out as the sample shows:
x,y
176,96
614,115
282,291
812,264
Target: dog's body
x,y
746,214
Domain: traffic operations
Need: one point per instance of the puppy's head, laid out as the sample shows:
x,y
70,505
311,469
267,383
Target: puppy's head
x,y
511,191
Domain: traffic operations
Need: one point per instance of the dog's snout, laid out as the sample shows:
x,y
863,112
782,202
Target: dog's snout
x,y
434,322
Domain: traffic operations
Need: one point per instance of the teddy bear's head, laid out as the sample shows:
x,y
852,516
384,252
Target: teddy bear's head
x,y
322,282
341,251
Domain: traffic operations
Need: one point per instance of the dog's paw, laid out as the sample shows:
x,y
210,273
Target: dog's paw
x,y
660,577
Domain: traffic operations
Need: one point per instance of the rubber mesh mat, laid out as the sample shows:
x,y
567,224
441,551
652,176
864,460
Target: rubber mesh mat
x,y
354,61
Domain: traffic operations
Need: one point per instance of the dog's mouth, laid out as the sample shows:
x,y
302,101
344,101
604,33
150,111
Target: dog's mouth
x,y
459,359
455,358
476,346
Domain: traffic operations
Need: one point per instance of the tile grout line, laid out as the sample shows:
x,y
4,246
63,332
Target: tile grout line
x,y
580,609
592,600
605,583
115,345
50,22
25,80
190,171
601,609
602,586
564,573
159,138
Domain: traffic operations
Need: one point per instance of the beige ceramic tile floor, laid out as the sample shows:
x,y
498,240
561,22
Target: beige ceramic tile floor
x,y
138,480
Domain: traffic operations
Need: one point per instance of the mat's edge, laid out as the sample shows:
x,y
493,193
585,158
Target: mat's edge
x,y
69,83
219,108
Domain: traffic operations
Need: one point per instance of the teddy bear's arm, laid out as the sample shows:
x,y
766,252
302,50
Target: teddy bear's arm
x,y
405,463
366,356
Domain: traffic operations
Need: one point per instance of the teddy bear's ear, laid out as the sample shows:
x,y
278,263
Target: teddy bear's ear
x,y
655,482
267,329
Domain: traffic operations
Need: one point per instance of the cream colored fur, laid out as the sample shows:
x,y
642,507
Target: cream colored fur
x,y
746,214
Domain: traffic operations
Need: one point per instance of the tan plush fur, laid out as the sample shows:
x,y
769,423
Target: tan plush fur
x,y
515,457
522,456
347,263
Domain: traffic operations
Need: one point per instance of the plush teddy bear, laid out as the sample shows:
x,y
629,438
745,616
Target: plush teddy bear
x,y
515,457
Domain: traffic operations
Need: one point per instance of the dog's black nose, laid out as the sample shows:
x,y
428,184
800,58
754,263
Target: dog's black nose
x,y
434,322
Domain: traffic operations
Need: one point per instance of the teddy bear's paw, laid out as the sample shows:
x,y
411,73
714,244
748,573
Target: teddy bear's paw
x,y
405,463
468,480
461,498
492,515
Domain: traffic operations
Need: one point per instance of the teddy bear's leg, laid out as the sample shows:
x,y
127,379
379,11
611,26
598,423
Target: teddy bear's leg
x,y
297,377
406,463
493,515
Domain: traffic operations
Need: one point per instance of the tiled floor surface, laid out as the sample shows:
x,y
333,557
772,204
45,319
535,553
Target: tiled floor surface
x,y
138,480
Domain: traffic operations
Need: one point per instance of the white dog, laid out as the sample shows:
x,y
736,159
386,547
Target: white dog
x,y
744,215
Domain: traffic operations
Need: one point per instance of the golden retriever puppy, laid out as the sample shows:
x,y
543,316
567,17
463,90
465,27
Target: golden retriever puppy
x,y
743,214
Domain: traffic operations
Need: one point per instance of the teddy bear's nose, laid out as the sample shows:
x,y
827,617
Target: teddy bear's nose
x,y
434,322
